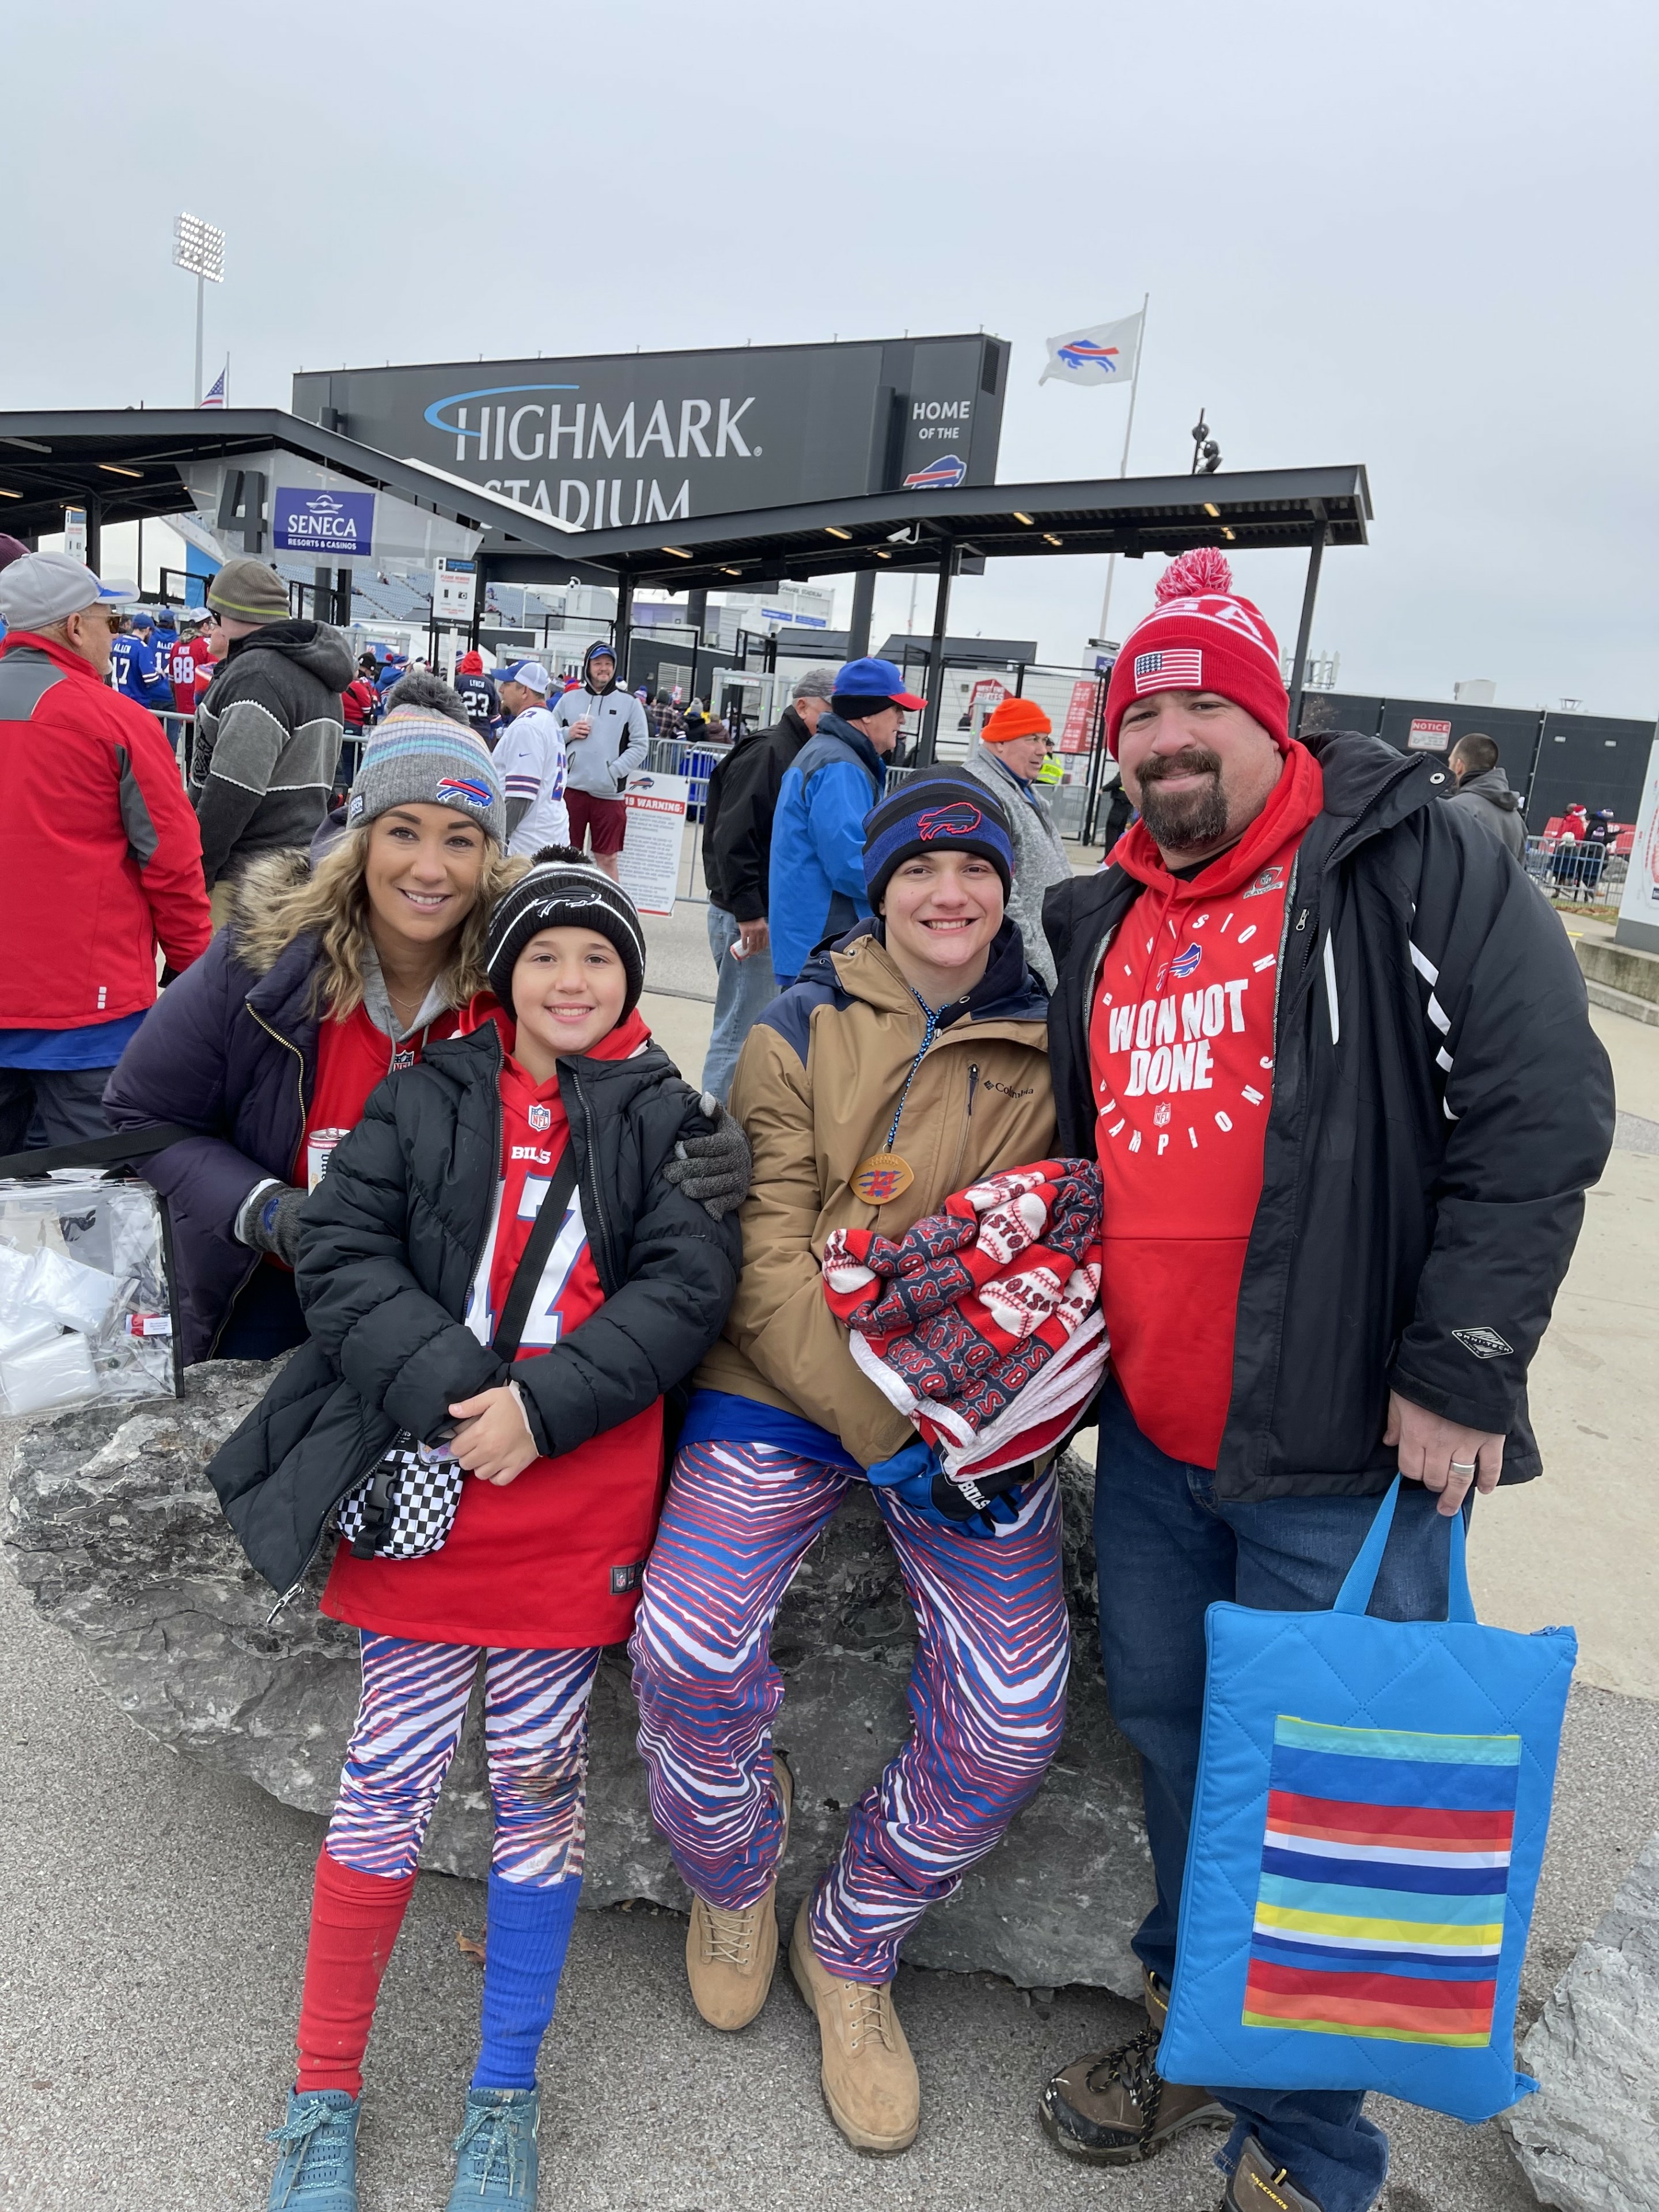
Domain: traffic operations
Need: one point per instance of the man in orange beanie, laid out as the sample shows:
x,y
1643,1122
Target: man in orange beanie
x,y
1006,757
1333,1054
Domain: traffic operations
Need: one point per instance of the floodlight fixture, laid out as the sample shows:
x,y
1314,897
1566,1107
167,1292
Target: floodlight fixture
x,y
198,248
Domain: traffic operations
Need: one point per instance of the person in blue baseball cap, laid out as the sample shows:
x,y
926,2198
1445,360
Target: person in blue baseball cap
x,y
816,889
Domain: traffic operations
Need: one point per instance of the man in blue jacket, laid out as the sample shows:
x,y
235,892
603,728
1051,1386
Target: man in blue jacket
x,y
137,670
816,886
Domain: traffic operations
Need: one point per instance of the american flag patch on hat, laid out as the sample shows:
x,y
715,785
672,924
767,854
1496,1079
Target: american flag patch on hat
x,y
1173,669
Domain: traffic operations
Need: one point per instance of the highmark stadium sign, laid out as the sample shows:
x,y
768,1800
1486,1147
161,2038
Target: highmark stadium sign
x,y
605,441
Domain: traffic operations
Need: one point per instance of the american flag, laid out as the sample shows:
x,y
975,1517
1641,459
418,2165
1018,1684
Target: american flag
x,y
215,394
1174,669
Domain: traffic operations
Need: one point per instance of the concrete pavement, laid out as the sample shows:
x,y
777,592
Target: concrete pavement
x,y
155,1916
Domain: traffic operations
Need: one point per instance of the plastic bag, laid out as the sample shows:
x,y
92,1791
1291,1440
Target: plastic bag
x,y
86,1312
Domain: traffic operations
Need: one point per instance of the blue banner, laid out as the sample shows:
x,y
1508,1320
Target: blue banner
x,y
332,525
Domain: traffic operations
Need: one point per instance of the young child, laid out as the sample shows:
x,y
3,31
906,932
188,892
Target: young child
x,y
408,1250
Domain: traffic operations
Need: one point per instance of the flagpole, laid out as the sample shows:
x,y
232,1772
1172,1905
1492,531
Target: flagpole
x,y
1123,464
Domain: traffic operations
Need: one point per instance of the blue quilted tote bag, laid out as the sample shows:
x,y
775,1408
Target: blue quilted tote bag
x,y
1372,1802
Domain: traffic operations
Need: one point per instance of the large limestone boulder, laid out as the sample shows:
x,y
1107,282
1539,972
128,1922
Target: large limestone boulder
x,y
1588,2142
113,1529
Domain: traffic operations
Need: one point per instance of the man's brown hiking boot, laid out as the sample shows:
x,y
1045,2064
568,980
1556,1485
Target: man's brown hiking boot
x,y
869,2076
1114,2107
1255,2184
730,1956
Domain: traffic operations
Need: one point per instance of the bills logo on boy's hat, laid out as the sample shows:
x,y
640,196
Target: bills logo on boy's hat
x,y
464,791
959,819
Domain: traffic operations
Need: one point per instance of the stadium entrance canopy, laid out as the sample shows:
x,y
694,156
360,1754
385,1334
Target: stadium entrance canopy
x,y
124,464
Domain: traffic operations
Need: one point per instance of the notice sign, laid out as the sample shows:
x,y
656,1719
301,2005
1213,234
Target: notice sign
x,y
649,862
1428,737
454,589
1079,717
333,526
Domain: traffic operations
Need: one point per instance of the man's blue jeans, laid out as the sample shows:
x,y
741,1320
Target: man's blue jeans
x,y
743,990
1167,1548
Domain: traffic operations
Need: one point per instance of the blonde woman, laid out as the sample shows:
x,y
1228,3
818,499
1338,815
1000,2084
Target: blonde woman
x,y
325,980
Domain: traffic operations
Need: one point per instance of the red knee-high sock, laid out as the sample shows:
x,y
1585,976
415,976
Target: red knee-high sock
x,y
355,1919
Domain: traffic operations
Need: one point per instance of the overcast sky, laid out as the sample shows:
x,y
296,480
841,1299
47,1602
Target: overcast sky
x,y
1420,236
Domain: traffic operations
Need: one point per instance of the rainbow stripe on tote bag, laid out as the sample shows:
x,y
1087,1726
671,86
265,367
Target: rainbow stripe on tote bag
x,y
1372,1802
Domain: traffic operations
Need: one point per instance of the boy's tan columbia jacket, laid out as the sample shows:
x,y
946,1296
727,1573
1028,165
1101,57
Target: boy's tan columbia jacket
x,y
815,1090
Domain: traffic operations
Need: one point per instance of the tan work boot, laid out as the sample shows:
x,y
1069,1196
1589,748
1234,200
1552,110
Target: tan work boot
x,y
1115,2108
730,1956
869,2076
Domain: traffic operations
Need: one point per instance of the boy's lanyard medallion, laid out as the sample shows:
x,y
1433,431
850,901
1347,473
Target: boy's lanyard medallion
x,y
885,1175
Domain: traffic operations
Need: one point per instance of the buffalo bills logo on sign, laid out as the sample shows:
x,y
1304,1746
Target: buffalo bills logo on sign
x,y
1483,1343
540,1118
463,791
943,475
1086,353
1270,879
958,820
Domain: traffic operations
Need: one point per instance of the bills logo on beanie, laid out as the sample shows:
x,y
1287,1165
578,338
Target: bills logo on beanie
x,y
1201,636
959,820
934,812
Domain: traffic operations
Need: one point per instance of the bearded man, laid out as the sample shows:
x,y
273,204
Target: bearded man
x,y
1333,1053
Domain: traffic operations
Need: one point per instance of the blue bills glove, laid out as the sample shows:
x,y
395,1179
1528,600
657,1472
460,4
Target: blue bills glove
x,y
914,1475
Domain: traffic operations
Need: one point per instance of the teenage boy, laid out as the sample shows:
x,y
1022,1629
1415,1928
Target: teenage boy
x,y
911,1061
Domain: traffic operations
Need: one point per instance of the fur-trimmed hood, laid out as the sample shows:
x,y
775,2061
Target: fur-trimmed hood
x,y
259,886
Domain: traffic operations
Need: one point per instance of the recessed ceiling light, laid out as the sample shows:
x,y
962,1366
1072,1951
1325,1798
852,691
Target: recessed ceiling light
x,y
678,552
1049,537
111,469
1212,510
4,493
1026,519
834,533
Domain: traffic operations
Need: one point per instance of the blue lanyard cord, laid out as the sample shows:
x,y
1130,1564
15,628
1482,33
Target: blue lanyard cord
x,y
934,1017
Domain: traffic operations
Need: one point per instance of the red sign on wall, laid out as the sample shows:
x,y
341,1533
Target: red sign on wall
x,y
1079,718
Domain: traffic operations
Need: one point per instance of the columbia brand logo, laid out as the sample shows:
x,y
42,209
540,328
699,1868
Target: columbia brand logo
x,y
627,1579
1483,1343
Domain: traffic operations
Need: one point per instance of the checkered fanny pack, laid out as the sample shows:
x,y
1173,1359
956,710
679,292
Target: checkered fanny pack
x,y
404,1507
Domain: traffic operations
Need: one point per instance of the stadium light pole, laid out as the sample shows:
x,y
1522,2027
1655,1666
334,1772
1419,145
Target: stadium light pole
x,y
200,249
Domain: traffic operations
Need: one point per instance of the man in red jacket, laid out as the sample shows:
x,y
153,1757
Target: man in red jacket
x,y
100,860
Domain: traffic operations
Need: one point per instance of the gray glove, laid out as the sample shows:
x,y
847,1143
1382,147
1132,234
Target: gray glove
x,y
714,1170
270,1222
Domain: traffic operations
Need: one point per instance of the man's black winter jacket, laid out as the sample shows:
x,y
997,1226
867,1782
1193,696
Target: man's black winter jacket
x,y
737,829
391,1239
268,734
1440,1103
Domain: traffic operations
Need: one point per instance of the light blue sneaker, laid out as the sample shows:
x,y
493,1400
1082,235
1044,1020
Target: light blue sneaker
x,y
496,2157
318,2168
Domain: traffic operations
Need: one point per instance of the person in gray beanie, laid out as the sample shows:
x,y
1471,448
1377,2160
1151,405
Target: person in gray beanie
x,y
349,966
268,729
737,862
